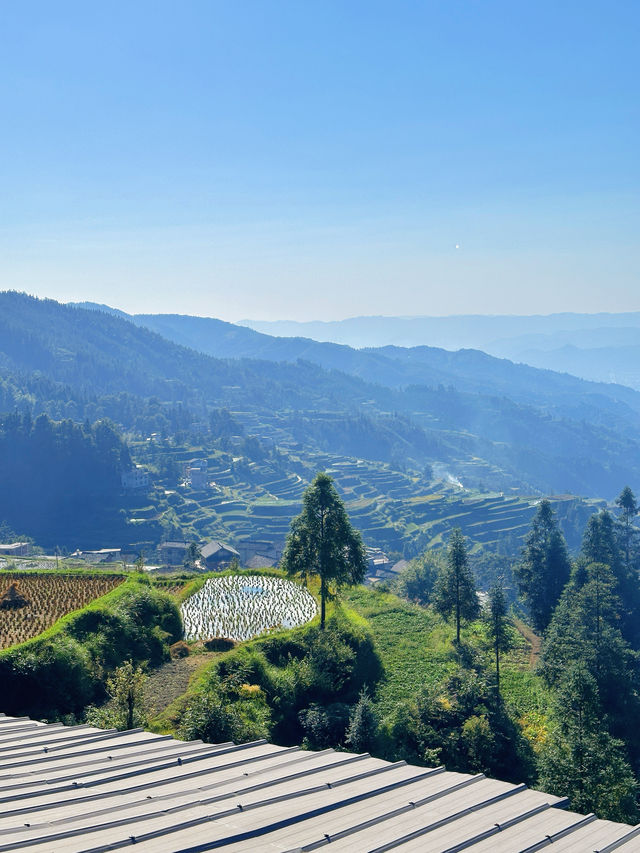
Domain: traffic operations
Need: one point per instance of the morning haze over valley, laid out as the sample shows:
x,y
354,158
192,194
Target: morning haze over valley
x,y
319,427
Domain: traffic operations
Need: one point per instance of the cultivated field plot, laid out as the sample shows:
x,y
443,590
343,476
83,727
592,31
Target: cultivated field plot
x,y
30,602
241,607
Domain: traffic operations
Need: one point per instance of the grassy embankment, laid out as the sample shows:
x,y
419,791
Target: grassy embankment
x,y
63,669
416,650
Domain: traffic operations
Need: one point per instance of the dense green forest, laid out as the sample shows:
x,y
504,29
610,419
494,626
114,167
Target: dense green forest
x,y
60,478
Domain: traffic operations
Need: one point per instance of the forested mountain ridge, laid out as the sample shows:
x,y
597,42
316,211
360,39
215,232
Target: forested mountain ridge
x,y
49,351
469,370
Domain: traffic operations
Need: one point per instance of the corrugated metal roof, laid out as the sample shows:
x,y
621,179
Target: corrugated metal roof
x,y
78,788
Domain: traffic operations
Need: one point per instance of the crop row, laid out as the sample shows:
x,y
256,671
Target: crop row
x,y
42,599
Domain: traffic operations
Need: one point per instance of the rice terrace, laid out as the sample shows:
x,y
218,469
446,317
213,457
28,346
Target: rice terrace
x,y
241,607
32,602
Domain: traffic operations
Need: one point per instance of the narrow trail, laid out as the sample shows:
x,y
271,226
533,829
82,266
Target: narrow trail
x,y
534,641
169,681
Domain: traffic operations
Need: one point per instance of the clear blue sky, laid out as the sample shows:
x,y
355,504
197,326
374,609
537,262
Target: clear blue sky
x,y
322,158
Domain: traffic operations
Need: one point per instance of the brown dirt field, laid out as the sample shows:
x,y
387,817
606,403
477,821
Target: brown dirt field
x,y
49,597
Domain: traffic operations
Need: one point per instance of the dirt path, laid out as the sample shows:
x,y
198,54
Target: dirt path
x,y
533,640
169,681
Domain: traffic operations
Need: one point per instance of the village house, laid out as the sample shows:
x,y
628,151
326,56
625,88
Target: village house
x,y
197,473
267,550
216,554
173,553
15,549
135,478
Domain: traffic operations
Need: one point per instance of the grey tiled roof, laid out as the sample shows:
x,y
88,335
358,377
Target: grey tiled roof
x,y
80,788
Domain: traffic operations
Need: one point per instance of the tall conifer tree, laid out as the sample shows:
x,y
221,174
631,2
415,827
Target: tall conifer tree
x,y
322,542
544,567
455,589
498,626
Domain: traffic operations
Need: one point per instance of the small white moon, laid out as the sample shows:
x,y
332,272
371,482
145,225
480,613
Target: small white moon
x,y
457,245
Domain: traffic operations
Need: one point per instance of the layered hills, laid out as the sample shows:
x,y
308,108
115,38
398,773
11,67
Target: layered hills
x,y
419,439
540,430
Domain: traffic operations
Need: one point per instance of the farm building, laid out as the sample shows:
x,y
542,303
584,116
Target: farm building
x,y
78,788
216,554
135,478
15,549
103,555
267,548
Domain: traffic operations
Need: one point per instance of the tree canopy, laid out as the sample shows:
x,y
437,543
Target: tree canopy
x,y
323,543
455,589
544,567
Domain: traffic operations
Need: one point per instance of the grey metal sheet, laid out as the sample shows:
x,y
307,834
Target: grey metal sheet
x,y
598,834
165,796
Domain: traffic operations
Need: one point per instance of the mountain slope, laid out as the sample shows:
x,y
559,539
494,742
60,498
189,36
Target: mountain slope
x,y
467,370
91,353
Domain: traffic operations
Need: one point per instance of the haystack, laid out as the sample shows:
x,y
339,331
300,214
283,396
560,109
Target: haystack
x,y
13,599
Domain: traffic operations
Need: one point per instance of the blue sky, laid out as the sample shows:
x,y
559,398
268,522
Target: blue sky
x,y
320,159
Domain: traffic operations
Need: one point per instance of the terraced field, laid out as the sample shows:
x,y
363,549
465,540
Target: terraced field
x,y
31,602
402,513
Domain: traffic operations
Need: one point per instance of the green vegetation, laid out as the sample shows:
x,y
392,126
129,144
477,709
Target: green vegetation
x,y
125,689
454,593
294,685
389,675
64,669
323,544
60,476
544,567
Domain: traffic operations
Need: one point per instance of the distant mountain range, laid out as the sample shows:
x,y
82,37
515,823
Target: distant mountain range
x,y
397,367
600,347
524,428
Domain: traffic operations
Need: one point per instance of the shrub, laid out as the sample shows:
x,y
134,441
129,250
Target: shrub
x,y
220,714
219,644
362,735
63,671
179,649
324,726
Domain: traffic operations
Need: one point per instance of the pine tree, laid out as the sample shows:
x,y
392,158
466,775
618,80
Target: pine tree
x,y
600,544
629,509
544,566
323,543
581,760
455,589
498,625
363,725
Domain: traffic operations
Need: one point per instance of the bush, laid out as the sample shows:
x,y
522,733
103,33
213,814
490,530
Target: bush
x,y
65,670
46,678
417,580
308,679
219,644
222,713
362,735
459,724
324,726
